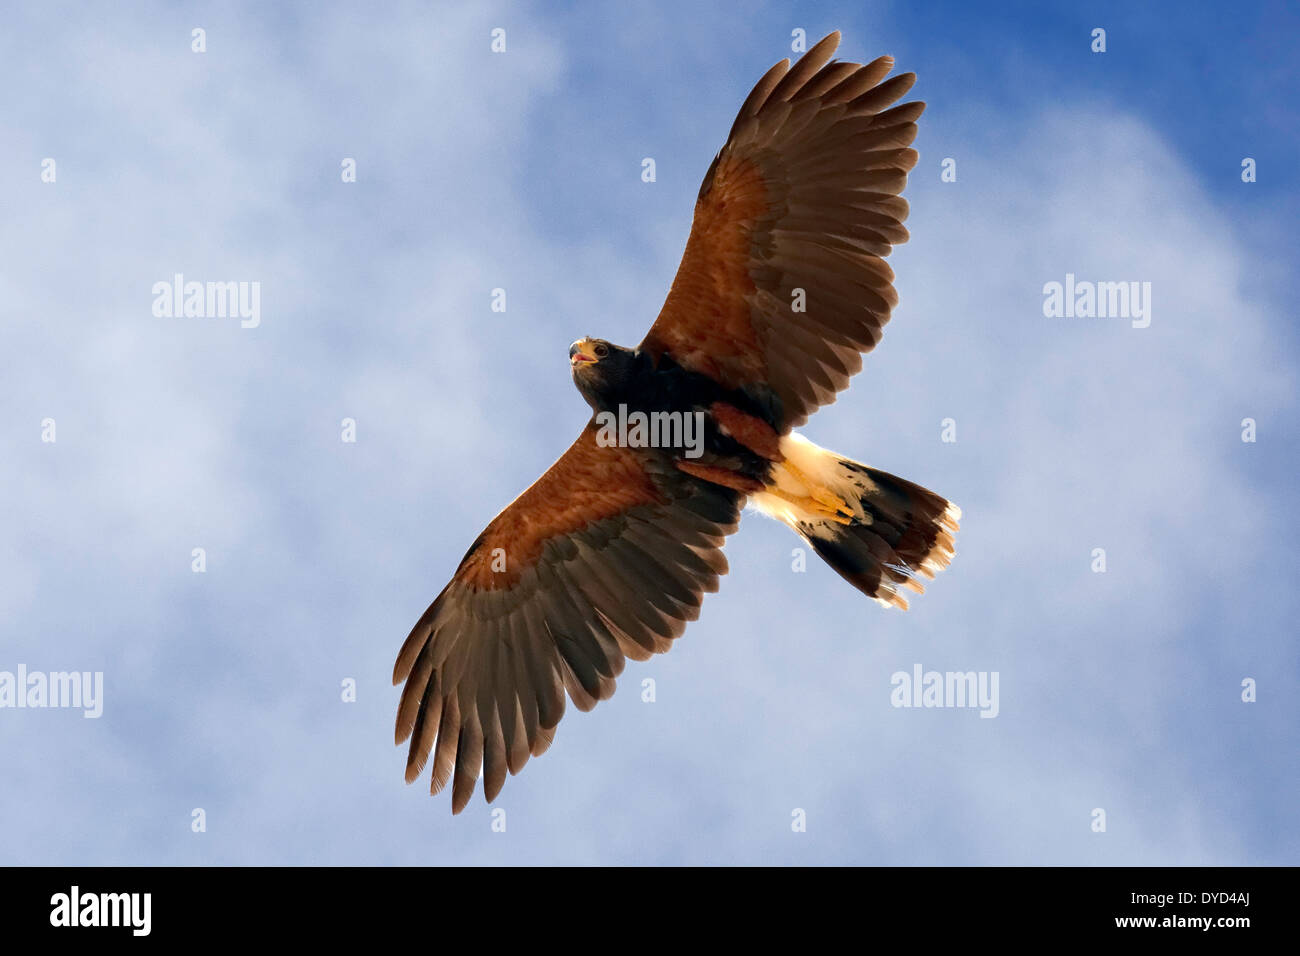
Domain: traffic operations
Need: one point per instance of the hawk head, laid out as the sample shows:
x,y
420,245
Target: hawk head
x,y
601,370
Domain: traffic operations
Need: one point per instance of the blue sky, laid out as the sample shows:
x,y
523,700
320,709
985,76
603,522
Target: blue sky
x,y
521,171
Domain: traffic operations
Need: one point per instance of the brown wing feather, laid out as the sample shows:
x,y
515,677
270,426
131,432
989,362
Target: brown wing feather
x,y
804,195
607,556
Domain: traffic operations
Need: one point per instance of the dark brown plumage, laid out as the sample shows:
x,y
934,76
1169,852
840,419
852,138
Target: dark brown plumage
x,y
603,558
608,555
804,195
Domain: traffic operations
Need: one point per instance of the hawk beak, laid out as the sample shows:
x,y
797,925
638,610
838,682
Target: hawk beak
x,y
580,353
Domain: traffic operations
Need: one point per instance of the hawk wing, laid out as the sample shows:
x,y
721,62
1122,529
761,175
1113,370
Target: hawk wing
x,y
797,212
606,556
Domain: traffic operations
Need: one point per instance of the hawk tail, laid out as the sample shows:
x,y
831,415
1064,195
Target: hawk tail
x,y
879,532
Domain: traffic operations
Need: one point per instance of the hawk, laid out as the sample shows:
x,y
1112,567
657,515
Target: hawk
x,y
607,556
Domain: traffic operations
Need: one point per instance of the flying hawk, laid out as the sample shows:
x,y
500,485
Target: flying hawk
x,y
608,555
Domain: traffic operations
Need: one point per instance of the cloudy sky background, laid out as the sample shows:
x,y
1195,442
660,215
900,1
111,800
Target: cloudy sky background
x,y
522,170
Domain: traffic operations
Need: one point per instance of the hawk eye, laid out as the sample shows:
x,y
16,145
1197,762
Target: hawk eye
x,y
601,351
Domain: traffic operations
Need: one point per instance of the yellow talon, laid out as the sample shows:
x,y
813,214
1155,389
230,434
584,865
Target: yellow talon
x,y
833,502
819,505
820,500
